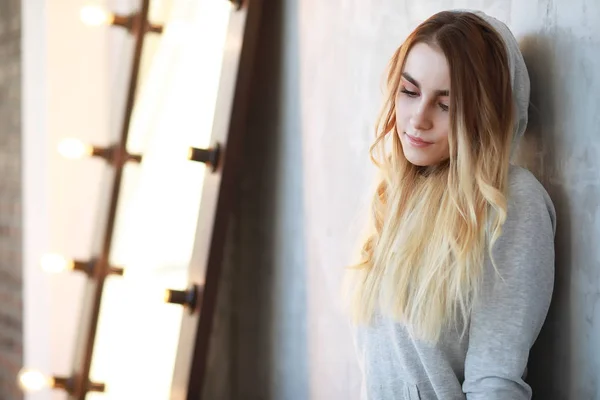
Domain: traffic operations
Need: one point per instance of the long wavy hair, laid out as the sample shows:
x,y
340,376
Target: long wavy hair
x,y
423,258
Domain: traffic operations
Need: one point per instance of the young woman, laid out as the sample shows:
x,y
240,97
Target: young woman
x,y
458,271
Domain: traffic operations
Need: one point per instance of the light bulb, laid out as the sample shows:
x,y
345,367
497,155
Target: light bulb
x,y
176,152
73,148
55,263
32,380
95,16
169,153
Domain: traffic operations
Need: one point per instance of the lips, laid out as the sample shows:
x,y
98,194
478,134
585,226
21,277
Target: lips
x,y
417,142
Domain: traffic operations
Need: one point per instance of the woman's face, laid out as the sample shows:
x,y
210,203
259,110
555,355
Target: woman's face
x,y
422,102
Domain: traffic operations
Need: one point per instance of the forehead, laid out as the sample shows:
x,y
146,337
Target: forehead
x,y
428,66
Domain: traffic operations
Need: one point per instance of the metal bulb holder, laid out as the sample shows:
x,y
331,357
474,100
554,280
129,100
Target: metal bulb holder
x,y
210,156
189,298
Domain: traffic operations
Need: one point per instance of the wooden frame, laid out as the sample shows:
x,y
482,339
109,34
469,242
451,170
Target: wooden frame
x,y
217,195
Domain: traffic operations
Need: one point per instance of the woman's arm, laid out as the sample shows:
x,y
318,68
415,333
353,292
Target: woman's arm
x,y
512,307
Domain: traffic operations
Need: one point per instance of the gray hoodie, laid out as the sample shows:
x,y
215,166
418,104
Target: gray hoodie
x,y
489,362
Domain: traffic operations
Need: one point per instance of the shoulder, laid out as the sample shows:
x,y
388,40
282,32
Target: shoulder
x,y
525,248
527,197
522,183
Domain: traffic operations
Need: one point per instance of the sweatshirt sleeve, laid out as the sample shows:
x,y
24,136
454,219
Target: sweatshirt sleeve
x,y
512,306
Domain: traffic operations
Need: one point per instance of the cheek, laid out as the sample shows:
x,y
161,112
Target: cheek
x,y
402,112
444,147
443,127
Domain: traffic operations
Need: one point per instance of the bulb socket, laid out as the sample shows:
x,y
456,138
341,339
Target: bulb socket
x,y
123,21
189,298
68,385
96,387
236,3
62,383
88,267
115,155
210,156
130,22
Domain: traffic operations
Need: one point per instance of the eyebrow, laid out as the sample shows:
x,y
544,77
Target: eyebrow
x,y
412,80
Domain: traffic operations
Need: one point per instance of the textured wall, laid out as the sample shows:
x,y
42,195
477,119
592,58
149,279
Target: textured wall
x,y
11,312
562,147
307,176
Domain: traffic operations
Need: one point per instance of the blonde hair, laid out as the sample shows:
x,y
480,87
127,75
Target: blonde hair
x,y
423,259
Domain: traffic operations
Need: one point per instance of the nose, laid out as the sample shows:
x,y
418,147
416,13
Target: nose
x,y
420,119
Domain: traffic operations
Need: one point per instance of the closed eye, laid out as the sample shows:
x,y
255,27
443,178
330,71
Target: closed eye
x,y
409,93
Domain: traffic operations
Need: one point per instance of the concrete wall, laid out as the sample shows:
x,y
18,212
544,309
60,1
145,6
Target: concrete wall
x,y
11,272
307,176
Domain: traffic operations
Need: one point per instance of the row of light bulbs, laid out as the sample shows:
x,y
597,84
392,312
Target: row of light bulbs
x,y
32,379
76,149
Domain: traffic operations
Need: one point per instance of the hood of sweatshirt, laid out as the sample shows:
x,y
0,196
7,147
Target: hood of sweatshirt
x,y
519,76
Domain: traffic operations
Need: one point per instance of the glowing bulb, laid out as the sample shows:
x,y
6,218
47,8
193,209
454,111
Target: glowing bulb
x,y
190,153
170,153
32,380
55,263
177,152
73,148
95,16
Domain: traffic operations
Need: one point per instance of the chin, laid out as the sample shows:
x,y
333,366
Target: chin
x,y
419,160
